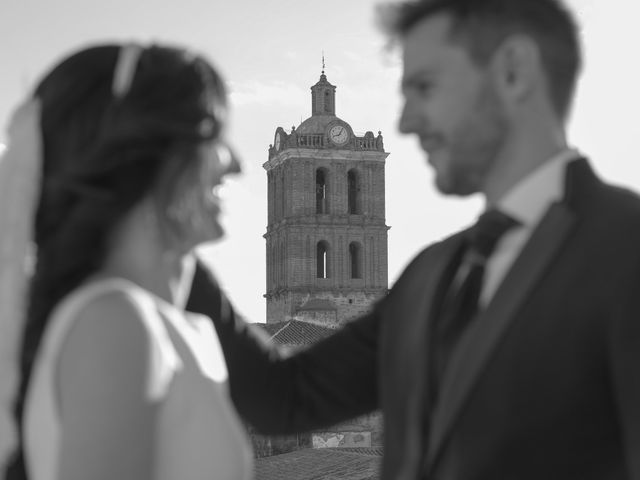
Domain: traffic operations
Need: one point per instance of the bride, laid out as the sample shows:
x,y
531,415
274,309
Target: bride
x,y
112,170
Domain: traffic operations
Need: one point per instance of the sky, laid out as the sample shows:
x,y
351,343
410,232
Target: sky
x,y
270,52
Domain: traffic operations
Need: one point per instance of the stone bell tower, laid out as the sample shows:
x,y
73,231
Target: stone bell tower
x,y
326,235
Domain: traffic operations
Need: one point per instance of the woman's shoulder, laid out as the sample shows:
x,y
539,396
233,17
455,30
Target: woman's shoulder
x,y
100,326
106,311
105,294
110,304
113,323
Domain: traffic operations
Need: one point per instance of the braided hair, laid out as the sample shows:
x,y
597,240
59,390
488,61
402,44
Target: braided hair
x,y
102,154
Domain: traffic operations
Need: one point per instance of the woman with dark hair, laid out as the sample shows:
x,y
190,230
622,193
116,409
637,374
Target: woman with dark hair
x,y
117,381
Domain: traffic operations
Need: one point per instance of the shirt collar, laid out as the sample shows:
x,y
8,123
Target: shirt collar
x,y
528,200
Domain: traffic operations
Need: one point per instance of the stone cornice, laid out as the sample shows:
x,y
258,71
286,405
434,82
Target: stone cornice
x,y
312,222
331,290
324,154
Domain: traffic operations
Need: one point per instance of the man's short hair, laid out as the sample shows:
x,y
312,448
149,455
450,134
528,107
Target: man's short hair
x,y
482,25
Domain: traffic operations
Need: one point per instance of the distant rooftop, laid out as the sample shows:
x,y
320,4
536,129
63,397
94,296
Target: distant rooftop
x,y
321,464
296,332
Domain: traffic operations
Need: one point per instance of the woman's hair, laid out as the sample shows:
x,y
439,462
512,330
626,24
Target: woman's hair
x,y
102,154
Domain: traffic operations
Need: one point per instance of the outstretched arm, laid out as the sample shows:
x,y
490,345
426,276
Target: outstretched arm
x,y
334,380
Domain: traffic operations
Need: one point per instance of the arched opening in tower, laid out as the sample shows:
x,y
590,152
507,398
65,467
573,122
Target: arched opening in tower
x,y
322,259
322,202
355,259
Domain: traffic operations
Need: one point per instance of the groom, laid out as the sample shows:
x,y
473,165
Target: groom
x,y
510,350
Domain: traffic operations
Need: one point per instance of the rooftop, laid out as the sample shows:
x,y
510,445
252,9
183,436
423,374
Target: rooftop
x,y
321,464
317,124
296,332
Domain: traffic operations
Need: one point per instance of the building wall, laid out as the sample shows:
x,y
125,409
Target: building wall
x,y
363,431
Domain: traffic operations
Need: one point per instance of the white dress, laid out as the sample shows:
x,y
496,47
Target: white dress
x,y
199,433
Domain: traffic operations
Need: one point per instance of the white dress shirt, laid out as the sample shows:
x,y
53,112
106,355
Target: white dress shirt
x,y
527,202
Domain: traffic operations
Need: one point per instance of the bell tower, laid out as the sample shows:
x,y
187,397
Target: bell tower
x,y
323,97
326,236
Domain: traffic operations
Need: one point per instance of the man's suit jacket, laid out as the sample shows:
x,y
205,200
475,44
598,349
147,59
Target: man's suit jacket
x,y
545,383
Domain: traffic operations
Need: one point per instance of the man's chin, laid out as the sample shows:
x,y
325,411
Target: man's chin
x,y
444,184
210,233
450,188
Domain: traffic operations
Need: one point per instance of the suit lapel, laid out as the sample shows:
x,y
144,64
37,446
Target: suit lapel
x,y
412,313
481,338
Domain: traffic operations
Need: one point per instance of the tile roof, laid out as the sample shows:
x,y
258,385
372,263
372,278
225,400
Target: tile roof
x,y
296,332
320,464
373,451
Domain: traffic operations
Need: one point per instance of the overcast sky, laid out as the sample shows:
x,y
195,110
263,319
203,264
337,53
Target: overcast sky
x,y
270,53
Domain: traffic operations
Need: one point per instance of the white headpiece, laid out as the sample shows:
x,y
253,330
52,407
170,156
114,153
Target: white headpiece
x,y
125,69
20,173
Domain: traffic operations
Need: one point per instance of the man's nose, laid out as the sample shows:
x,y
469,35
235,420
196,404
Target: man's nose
x,y
409,121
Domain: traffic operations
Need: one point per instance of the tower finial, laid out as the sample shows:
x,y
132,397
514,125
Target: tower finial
x,y
323,62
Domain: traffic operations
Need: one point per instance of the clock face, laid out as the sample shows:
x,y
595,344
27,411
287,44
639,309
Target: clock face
x,y
339,135
278,141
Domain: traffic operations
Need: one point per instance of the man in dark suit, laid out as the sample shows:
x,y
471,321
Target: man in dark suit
x,y
500,353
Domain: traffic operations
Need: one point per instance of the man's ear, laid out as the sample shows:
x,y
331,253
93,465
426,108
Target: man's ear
x,y
517,68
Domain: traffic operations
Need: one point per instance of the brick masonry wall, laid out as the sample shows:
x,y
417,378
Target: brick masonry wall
x,y
364,431
295,229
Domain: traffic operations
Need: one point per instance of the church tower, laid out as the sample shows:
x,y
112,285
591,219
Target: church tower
x,y
326,235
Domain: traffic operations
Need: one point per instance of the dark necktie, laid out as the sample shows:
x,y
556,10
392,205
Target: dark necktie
x,y
460,302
